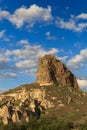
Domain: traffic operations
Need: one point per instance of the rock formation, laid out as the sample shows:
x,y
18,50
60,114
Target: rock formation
x,y
50,70
23,104
27,101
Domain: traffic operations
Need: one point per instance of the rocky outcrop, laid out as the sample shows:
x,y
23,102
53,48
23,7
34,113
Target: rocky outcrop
x,y
23,104
51,70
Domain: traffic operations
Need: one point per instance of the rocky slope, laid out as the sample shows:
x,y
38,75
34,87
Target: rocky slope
x,y
55,93
23,104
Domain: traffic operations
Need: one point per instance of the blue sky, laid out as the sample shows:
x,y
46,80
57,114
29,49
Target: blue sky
x,y
31,29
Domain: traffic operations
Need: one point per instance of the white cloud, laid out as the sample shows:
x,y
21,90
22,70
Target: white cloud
x,y
8,75
74,23
82,16
31,52
28,56
3,36
82,83
4,14
63,59
4,58
30,72
2,33
25,64
51,51
67,25
23,42
50,37
3,90
36,14
22,60
30,15
47,33
78,60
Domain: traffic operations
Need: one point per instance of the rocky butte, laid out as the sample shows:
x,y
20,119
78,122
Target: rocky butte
x,y
51,70
56,93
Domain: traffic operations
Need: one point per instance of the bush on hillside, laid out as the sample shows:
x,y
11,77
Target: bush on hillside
x,y
41,124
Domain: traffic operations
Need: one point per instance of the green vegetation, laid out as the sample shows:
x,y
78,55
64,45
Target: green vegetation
x,y
27,86
45,123
83,126
41,124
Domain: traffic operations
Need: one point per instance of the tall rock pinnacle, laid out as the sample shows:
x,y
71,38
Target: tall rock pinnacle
x,y
50,70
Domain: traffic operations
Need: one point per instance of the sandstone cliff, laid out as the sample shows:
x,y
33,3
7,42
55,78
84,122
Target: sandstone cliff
x,y
51,70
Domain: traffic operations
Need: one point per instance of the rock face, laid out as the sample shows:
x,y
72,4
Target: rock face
x,y
23,104
50,70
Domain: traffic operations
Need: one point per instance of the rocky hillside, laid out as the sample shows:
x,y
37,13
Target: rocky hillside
x,y
23,104
55,93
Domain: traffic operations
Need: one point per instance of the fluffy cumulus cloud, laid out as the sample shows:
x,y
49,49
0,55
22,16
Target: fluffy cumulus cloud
x,y
75,23
22,60
77,61
30,52
30,15
27,57
37,14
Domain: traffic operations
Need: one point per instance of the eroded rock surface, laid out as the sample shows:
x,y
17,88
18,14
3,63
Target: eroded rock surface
x,y
50,70
23,104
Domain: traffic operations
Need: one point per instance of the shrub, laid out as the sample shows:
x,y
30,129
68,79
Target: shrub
x,y
83,126
46,123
